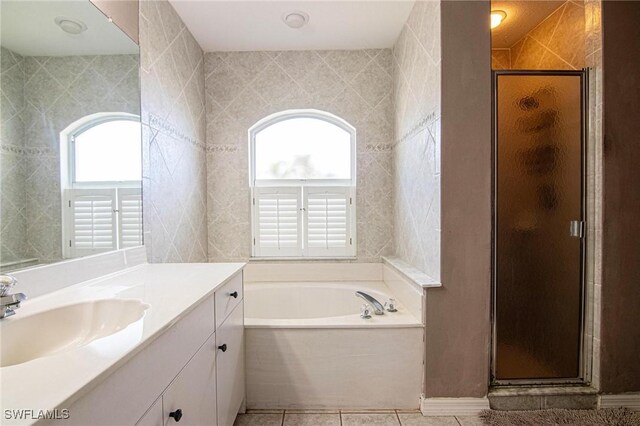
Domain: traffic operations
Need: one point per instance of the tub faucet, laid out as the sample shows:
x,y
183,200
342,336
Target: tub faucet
x,y
9,302
378,309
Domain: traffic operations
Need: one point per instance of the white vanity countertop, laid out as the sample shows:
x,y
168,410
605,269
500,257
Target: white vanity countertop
x,y
55,381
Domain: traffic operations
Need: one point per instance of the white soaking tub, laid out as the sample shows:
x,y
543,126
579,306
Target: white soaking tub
x,y
319,305
308,348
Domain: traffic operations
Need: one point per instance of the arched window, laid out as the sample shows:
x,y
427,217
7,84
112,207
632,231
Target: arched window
x,y
303,178
101,176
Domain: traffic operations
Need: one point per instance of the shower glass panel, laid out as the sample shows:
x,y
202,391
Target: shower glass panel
x,y
539,214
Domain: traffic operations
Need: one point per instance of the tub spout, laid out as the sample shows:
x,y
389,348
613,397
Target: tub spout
x,y
378,309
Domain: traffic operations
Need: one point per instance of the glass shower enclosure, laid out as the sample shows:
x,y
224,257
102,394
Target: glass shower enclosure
x,y
539,231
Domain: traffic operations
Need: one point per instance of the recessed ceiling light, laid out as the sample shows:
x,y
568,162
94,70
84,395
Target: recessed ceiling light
x,y
497,16
70,26
295,19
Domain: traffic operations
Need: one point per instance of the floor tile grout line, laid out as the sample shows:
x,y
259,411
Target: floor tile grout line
x,y
398,417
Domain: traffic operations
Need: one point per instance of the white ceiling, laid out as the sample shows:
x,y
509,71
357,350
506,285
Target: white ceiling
x,y
257,25
28,28
522,17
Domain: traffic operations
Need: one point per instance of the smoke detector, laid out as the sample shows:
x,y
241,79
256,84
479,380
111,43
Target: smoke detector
x,y
70,25
295,19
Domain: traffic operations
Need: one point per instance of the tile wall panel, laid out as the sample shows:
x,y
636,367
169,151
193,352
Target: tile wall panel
x,y
173,117
417,74
244,87
557,43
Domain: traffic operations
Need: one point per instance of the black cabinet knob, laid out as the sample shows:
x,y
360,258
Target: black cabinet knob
x,y
177,415
223,347
234,294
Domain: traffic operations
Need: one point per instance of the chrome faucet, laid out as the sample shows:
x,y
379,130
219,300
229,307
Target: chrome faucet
x,y
378,309
9,302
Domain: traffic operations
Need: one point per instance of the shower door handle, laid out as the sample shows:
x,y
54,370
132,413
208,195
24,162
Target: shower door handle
x,y
576,228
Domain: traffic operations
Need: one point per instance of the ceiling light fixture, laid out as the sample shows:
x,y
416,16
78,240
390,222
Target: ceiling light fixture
x,y
295,19
497,16
70,26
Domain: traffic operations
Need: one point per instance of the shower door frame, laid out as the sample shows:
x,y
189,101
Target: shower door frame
x,y
584,375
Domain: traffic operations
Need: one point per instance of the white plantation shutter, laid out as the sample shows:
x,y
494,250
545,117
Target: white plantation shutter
x,y
328,219
277,222
304,222
102,219
130,217
92,221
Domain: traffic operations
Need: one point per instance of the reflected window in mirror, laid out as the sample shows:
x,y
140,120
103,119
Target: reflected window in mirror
x,y
101,180
107,151
86,85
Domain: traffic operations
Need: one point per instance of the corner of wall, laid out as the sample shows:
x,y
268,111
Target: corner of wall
x,y
457,362
417,104
173,118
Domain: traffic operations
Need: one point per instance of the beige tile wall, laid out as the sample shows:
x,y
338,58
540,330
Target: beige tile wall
x,y
173,117
13,172
417,74
243,87
556,43
501,59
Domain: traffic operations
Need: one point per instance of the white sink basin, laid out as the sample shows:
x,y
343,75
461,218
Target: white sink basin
x,y
60,329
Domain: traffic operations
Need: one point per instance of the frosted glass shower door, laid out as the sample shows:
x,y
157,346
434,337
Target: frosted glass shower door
x,y
539,129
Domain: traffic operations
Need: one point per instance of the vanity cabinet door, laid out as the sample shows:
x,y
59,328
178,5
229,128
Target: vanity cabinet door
x,y
153,417
191,398
230,366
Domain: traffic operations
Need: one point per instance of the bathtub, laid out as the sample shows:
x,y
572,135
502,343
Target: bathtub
x,y
308,348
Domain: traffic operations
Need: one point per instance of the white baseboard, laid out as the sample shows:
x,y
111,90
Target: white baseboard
x,y
629,400
453,406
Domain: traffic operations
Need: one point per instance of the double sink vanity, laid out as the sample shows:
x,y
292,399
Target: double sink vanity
x,y
152,344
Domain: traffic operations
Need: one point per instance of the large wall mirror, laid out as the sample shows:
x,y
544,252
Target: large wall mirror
x,y
70,143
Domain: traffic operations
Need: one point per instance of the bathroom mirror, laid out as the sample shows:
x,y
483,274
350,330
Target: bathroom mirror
x,y
70,143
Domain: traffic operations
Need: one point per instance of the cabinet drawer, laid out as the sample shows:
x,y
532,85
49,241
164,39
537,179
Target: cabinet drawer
x,y
191,398
230,367
227,298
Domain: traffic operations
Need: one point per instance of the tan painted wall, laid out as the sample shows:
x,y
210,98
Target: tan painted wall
x,y
458,327
620,334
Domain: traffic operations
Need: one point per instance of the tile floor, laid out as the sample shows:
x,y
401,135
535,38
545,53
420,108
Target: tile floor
x,y
349,418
